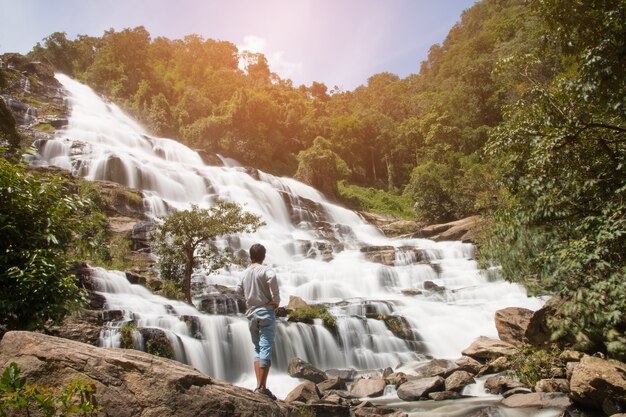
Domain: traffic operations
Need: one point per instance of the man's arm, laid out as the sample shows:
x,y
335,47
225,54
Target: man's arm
x,y
273,284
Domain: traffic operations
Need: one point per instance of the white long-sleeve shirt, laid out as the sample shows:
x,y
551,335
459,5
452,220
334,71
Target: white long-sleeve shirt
x,y
259,287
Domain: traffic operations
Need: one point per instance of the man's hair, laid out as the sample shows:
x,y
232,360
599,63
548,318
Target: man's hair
x,y
257,253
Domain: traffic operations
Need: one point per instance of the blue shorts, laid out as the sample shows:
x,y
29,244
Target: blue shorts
x,y
262,325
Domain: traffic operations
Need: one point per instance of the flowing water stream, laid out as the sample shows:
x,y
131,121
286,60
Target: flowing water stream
x,y
314,245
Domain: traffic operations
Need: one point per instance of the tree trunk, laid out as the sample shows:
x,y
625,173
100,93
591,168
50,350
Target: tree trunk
x,y
187,276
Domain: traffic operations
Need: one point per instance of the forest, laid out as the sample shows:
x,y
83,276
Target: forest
x,y
518,116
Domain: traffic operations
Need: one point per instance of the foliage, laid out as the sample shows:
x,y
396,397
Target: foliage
x,y
320,167
42,226
126,335
187,239
76,398
8,130
562,152
375,200
531,365
170,289
309,313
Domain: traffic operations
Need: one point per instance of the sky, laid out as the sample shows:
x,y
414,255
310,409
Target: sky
x,y
338,42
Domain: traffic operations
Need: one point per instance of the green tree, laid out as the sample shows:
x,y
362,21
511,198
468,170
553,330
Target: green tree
x,y
186,239
42,225
562,150
321,168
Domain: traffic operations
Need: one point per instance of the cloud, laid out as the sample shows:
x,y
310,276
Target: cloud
x,y
275,59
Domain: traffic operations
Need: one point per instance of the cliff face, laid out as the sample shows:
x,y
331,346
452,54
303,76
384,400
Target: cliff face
x,y
132,383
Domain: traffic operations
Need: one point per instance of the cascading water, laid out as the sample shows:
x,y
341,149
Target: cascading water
x,y
313,244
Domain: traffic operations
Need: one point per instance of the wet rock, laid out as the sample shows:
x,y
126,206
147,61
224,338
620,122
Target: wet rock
x,y
457,230
222,304
134,278
512,323
458,380
131,383
373,411
155,342
210,158
517,390
485,348
434,367
335,383
194,326
373,387
140,236
330,410
411,292
112,315
552,385
397,379
344,374
385,255
431,286
299,368
538,400
84,328
498,384
497,365
401,228
305,392
595,379
420,388
471,365
444,395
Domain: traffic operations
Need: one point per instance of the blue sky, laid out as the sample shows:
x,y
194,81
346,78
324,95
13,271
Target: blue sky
x,y
338,42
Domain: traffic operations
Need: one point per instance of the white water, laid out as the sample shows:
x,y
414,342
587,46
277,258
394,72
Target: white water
x,y
102,143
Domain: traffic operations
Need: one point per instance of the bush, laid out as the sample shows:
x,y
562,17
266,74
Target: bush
x,y
308,314
531,365
376,200
75,398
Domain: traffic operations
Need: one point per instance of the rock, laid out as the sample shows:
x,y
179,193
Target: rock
x,y
458,380
344,374
457,230
299,368
511,324
140,236
373,411
431,286
420,388
385,255
131,383
571,356
552,385
594,380
471,365
296,302
569,369
434,367
305,392
485,348
155,342
539,400
411,292
497,365
210,158
401,228
498,384
223,304
134,278
330,410
332,384
444,395
84,328
396,378
539,334
372,387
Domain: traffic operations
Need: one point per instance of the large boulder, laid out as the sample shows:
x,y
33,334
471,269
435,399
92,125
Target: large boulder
x,y
131,383
511,324
373,387
305,392
420,388
599,383
434,367
486,349
299,368
458,380
457,230
538,400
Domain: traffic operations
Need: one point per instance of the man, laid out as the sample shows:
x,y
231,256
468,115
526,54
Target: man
x,y
259,288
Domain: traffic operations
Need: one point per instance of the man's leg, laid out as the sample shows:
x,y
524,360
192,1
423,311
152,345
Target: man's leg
x,y
254,333
257,373
266,342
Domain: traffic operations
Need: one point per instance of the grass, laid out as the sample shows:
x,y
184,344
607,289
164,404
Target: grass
x,y
308,314
531,364
376,201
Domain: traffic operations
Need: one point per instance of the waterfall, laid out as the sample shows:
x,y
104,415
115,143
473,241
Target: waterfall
x,y
313,244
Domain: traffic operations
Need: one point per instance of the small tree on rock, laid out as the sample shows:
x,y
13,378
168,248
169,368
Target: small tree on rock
x,y
185,239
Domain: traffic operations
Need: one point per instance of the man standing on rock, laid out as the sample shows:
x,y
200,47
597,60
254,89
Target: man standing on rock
x,y
259,288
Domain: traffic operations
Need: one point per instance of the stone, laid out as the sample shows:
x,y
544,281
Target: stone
x,y
372,387
485,348
344,374
84,328
130,383
444,395
471,365
594,380
458,380
156,342
329,410
434,367
134,278
420,388
511,324
571,356
411,292
140,236
373,411
296,302
498,384
552,385
299,368
335,383
431,286
401,228
385,255
222,304
538,400
462,229
497,365
396,378
517,390
304,392
569,369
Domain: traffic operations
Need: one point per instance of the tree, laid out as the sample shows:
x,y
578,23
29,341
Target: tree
x,y
186,239
41,224
562,148
321,168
